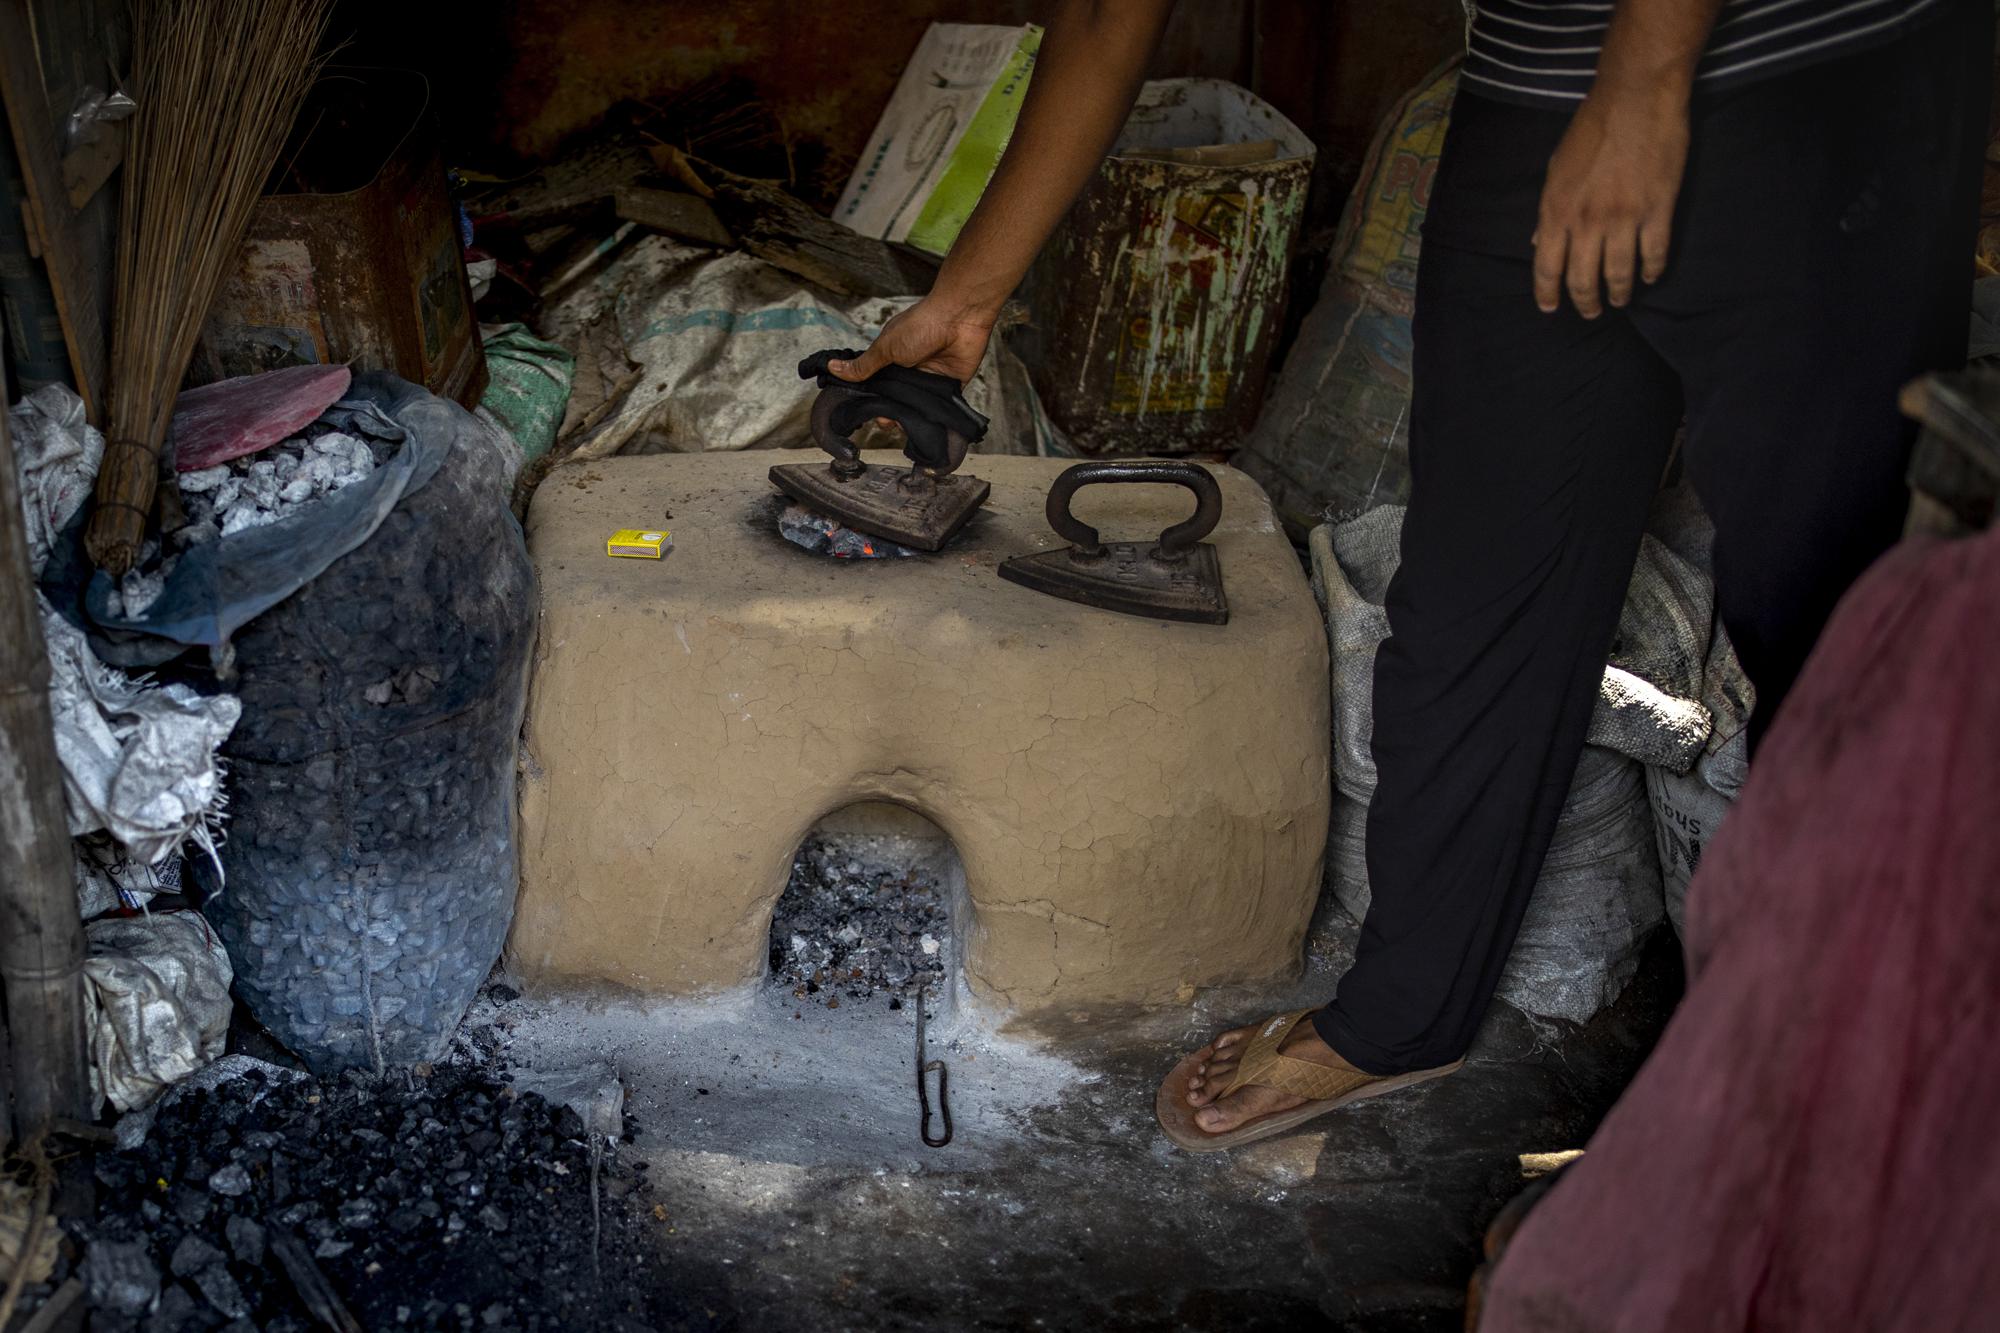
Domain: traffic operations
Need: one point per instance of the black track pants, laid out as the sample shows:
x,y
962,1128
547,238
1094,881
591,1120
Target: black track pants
x,y
1821,257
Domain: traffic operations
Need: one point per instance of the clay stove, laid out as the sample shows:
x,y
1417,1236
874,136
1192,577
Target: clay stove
x,y
1140,807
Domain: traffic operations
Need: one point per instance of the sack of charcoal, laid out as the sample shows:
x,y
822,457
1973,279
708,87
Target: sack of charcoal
x,y
368,875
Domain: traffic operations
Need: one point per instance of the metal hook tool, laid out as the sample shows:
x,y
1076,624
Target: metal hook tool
x,y
924,1066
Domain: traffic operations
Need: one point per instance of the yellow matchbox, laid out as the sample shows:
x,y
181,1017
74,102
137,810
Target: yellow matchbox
x,y
639,543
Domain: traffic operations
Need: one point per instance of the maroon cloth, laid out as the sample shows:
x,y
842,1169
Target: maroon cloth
x,y
1815,1144
231,418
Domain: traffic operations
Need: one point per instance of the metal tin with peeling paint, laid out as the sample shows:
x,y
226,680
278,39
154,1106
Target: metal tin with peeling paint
x,y
353,254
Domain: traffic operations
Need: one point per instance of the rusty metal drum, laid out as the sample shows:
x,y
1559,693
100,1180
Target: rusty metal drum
x,y
1156,306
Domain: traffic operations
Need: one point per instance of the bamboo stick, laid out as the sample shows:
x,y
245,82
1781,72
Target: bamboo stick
x,y
218,83
41,933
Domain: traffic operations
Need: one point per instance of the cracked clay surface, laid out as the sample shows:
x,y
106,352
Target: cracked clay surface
x,y
1141,807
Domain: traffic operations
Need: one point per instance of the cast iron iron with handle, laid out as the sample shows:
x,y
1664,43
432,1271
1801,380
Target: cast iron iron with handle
x,y
1176,576
922,507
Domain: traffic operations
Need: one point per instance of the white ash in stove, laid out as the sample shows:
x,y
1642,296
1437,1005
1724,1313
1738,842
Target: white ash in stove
x,y
270,484
816,532
845,928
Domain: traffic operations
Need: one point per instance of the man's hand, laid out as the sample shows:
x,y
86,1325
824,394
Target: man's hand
x,y
930,335
1608,202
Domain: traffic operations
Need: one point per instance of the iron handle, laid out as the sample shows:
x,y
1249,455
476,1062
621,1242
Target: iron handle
x,y
846,457
1175,542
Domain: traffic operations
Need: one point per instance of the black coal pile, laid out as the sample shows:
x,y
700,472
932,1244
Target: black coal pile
x,y
448,1201
845,928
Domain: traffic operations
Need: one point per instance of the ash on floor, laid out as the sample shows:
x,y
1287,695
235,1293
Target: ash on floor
x,y
784,1147
448,1201
843,928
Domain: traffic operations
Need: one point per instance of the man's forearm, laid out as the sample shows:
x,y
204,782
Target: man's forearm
x,y
1093,57
1651,50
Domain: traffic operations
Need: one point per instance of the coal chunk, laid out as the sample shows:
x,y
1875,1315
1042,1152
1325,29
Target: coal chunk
x,y
191,1206
246,1240
232,1181
178,1309
221,1291
192,1255
120,1276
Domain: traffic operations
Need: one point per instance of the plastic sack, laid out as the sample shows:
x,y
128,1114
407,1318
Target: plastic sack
x,y
107,878
1649,704
1688,810
57,454
1689,802
138,760
527,386
371,857
218,587
718,338
1333,438
140,776
156,995
1599,894
1596,901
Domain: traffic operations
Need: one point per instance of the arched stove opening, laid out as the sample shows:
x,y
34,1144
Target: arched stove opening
x,y
874,907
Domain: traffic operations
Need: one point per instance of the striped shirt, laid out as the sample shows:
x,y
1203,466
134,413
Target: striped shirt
x,y
1545,53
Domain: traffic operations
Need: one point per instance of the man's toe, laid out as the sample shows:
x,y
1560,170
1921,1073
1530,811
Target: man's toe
x,y
1215,1065
1222,1116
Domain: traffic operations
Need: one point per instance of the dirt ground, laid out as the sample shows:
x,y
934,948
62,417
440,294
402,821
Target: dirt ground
x,y
767,1173
782,1144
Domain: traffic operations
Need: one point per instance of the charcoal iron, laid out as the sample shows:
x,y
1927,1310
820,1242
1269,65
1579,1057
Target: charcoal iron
x,y
921,507
1175,577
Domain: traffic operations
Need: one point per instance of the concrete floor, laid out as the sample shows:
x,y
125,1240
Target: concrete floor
x,y
793,1191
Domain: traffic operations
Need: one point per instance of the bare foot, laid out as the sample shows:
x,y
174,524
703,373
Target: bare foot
x,y
1218,1065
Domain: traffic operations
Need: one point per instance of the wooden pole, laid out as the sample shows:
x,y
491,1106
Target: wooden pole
x,y
41,932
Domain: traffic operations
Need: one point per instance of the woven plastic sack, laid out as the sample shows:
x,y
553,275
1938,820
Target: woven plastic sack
x,y
1596,901
156,1003
1689,803
527,386
1333,438
718,338
1649,704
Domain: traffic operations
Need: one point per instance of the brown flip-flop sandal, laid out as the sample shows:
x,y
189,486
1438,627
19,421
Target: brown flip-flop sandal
x,y
1326,1089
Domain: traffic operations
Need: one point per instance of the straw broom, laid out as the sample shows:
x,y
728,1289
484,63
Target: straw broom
x,y
218,83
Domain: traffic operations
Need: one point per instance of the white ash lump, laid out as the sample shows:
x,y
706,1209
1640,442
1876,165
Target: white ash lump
x,y
271,484
844,928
